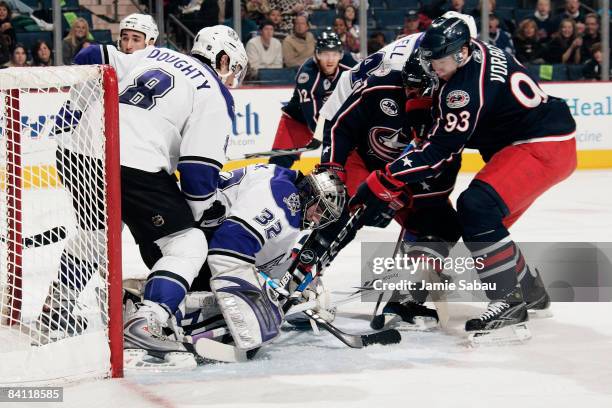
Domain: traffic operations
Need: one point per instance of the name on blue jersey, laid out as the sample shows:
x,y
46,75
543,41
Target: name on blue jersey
x,y
189,70
499,64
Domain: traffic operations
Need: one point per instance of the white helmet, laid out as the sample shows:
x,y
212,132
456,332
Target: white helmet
x,y
467,19
211,41
143,23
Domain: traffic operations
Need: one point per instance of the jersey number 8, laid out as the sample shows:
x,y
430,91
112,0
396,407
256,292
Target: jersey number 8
x,y
147,88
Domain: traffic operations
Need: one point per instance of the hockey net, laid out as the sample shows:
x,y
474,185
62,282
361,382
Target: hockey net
x,y
60,227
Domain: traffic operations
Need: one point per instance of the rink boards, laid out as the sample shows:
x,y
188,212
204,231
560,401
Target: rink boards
x,y
258,113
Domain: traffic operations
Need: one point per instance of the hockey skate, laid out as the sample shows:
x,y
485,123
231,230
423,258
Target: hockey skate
x,y
537,299
150,345
59,319
503,322
408,315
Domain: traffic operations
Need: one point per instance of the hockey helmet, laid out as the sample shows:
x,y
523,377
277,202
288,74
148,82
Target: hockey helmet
x,y
469,20
413,74
212,43
328,41
142,23
445,36
322,198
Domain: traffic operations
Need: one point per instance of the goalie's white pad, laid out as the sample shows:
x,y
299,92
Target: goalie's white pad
x,y
252,317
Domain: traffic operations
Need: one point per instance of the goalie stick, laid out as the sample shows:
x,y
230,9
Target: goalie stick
x,y
50,236
313,145
390,336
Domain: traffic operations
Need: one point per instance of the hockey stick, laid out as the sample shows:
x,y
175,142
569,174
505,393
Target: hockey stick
x,y
313,145
398,245
390,336
50,236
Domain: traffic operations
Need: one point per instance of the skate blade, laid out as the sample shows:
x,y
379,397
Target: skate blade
x,y
542,313
140,360
515,334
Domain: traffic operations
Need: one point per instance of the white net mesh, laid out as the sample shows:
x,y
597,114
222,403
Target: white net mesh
x,y
54,254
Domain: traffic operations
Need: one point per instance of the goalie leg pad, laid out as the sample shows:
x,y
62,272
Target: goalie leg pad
x,y
252,317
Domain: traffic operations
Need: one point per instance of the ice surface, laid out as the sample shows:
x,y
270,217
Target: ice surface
x,y
568,363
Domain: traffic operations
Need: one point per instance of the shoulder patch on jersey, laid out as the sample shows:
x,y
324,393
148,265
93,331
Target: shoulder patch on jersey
x,y
457,99
303,78
389,107
382,71
293,203
477,55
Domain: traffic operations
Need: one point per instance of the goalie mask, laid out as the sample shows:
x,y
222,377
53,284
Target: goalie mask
x,y
322,197
212,43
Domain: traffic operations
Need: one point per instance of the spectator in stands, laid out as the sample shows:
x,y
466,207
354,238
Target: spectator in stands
x,y
340,5
572,10
208,15
543,18
590,36
257,10
458,6
505,24
411,24
528,49
300,45
41,54
276,18
352,20
264,51
289,9
19,56
5,50
76,39
498,36
6,26
564,47
316,5
349,41
592,68
376,42
248,27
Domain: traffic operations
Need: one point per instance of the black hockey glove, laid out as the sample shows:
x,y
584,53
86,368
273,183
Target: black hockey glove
x,y
381,196
213,216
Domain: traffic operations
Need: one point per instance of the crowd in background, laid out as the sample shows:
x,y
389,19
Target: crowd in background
x,y
279,30
40,53
279,33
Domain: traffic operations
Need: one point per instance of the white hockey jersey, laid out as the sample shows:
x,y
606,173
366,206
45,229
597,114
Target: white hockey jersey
x,y
392,57
174,114
263,219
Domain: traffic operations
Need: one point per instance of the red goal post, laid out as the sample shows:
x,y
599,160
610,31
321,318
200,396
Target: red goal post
x,y
60,225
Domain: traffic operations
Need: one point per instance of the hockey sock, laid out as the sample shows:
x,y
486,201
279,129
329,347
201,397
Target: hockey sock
x,y
525,275
75,272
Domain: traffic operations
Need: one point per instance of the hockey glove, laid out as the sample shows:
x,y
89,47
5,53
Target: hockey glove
x,y
334,168
213,216
382,196
66,119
